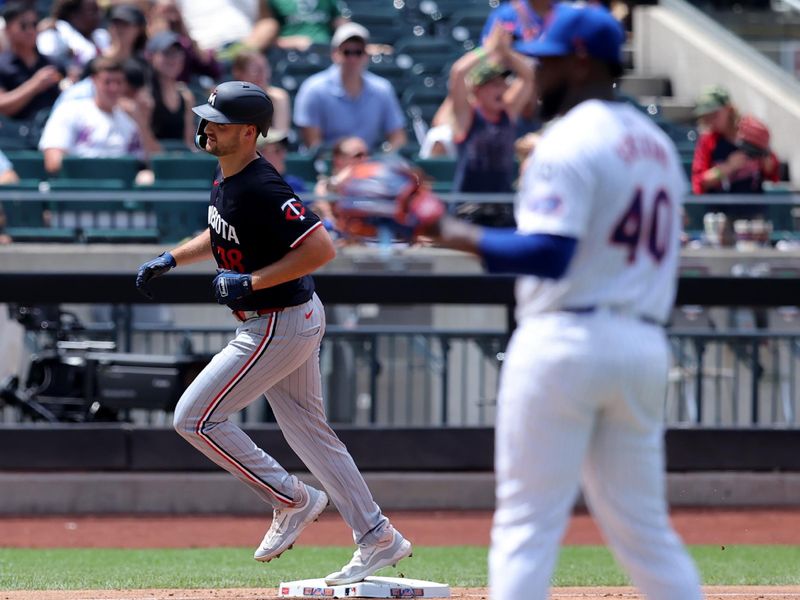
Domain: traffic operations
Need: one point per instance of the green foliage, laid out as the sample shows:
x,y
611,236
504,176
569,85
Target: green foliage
x,y
462,566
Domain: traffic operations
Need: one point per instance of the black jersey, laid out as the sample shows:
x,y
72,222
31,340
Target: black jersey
x,y
255,219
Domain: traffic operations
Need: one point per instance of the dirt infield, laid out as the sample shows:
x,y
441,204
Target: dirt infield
x,y
437,528
696,526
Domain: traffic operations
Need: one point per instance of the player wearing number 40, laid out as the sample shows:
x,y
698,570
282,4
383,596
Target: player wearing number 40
x,y
583,384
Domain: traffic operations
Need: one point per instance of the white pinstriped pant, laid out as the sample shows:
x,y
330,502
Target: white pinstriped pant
x,y
581,398
277,355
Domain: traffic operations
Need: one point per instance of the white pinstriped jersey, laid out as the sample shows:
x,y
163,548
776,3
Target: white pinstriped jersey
x,y
606,175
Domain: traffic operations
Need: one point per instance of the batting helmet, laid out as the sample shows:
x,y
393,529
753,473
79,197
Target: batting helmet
x,y
236,102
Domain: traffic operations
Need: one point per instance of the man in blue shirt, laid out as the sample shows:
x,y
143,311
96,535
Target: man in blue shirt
x,y
346,100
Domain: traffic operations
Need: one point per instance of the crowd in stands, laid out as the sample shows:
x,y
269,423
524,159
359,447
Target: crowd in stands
x,y
118,78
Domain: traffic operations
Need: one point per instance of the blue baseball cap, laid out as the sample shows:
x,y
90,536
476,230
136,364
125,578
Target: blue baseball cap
x,y
573,28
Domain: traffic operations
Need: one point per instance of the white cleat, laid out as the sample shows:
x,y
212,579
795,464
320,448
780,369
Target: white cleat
x,y
369,558
288,523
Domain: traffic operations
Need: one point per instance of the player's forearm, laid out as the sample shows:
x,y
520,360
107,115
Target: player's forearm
x,y
506,251
458,235
314,252
195,250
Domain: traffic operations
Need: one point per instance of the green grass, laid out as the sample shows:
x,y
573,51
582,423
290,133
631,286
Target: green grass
x,y
462,566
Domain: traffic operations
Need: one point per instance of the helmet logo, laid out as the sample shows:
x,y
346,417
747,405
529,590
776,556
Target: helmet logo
x,y
212,98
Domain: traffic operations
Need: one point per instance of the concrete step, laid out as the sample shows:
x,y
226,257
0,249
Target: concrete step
x,y
670,109
637,85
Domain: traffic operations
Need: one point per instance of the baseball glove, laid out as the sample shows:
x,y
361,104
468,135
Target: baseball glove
x,y
388,194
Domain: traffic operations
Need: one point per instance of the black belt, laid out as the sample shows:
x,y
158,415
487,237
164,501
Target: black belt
x,y
586,310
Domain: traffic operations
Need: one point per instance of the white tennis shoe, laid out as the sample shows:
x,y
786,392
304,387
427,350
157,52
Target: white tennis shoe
x,y
368,558
288,523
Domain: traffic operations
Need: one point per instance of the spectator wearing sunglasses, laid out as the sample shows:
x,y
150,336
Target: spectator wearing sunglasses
x,y
347,100
28,80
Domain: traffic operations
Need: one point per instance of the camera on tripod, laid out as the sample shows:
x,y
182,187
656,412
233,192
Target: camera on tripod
x,y
73,379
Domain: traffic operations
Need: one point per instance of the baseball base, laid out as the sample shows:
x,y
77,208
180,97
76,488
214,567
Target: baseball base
x,y
371,587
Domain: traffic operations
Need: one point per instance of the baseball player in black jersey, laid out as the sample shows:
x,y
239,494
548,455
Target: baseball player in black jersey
x,y
266,245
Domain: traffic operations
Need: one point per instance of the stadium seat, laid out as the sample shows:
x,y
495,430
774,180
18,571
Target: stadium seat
x,y
123,168
447,9
296,67
780,214
302,166
424,111
685,148
120,221
391,70
423,94
16,135
687,167
28,164
694,216
467,24
179,220
22,184
203,185
386,24
171,167
26,219
410,149
421,49
55,235
174,146
88,184
440,170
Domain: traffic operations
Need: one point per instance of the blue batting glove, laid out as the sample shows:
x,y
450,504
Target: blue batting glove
x,y
230,286
153,268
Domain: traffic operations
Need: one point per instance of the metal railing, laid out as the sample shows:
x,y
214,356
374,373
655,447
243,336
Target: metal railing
x,y
746,379
726,373
409,376
404,376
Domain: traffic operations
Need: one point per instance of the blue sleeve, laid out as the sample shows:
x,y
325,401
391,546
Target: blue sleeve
x,y
539,254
